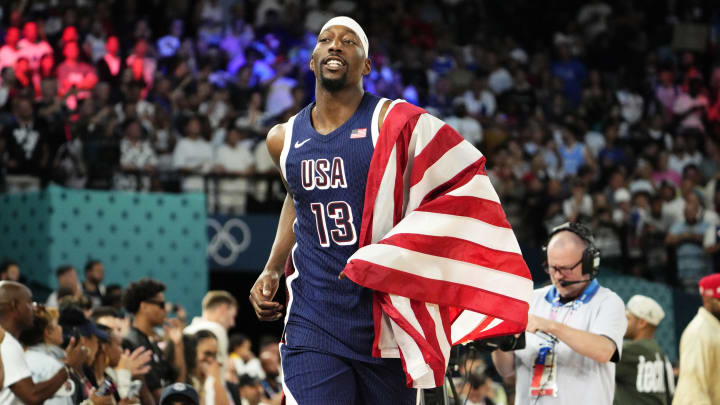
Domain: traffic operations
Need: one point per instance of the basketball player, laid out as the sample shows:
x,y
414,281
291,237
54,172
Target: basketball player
x,y
324,154
327,355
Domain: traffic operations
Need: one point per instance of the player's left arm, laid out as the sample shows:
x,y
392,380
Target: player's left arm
x,y
602,342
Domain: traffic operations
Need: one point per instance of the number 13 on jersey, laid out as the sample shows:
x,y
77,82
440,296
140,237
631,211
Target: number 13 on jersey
x,y
343,233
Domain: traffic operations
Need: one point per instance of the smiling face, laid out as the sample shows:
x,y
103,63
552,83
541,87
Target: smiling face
x,y
338,59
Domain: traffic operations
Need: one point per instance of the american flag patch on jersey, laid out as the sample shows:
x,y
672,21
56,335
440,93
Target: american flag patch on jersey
x,y
358,133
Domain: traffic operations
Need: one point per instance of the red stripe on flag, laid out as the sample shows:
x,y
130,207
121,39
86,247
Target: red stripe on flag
x,y
459,180
481,209
461,250
398,123
445,139
386,279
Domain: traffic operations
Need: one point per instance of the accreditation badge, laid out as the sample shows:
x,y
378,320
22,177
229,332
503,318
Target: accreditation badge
x,y
544,376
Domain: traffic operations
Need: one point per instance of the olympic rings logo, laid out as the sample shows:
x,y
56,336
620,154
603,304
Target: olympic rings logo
x,y
224,237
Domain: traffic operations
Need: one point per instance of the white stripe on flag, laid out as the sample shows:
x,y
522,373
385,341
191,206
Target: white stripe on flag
x,y
383,212
479,186
420,372
465,323
471,229
447,270
442,338
426,128
448,166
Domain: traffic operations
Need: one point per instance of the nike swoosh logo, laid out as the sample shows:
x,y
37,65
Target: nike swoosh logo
x,y
299,144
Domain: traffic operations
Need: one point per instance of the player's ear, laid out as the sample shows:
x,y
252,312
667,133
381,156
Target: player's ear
x,y
367,67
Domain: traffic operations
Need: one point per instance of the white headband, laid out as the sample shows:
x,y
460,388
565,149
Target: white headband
x,y
351,24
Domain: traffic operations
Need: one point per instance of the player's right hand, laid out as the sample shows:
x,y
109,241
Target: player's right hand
x,y
262,293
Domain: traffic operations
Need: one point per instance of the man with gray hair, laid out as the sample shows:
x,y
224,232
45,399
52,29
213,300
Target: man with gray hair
x,y
644,375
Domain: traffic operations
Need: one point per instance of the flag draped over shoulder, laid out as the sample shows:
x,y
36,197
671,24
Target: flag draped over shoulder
x,y
435,246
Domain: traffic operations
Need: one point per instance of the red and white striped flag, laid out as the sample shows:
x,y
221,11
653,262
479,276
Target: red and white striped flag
x,y
435,246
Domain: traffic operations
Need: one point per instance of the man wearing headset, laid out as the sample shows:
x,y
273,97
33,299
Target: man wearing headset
x,y
575,327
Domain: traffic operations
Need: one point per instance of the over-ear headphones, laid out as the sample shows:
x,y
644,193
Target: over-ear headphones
x,y
591,254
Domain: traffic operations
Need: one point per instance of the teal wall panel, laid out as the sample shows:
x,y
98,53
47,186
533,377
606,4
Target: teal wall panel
x,y
626,287
136,235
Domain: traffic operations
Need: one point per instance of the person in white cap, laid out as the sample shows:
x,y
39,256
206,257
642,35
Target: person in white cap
x,y
644,374
364,325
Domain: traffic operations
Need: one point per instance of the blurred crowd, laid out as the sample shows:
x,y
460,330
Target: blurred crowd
x,y
608,113
127,344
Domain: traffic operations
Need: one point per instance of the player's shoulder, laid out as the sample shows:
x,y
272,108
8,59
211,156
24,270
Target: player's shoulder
x,y
276,139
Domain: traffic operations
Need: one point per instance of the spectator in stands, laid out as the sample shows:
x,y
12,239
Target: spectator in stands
x,y
16,315
94,45
66,279
270,361
109,317
234,158
27,148
573,153
114,297
114,368
141,63
146,301
137,159
644,373
245,361
653,228
193,155
179,393
204,370
93,287
666,92
9,270
689,108
10,51
466,125
74,323
75,76
32,46
572,72
579,205
110,65
700,342
251,390
686,236
43,352
219,309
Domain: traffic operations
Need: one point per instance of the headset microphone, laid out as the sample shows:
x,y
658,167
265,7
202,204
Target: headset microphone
x,y
565,283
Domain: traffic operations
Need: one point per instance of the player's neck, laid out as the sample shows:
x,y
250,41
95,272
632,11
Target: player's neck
x,y
332,109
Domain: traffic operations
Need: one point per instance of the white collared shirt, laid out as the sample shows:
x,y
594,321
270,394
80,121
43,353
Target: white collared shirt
x,y
580,379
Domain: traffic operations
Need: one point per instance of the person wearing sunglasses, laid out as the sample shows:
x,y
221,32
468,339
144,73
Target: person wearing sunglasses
x,y
145,299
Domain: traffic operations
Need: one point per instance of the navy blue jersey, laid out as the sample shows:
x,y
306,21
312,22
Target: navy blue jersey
x,y
326,175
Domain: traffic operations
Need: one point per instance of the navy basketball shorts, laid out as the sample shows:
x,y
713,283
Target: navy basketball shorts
x,y
314,378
